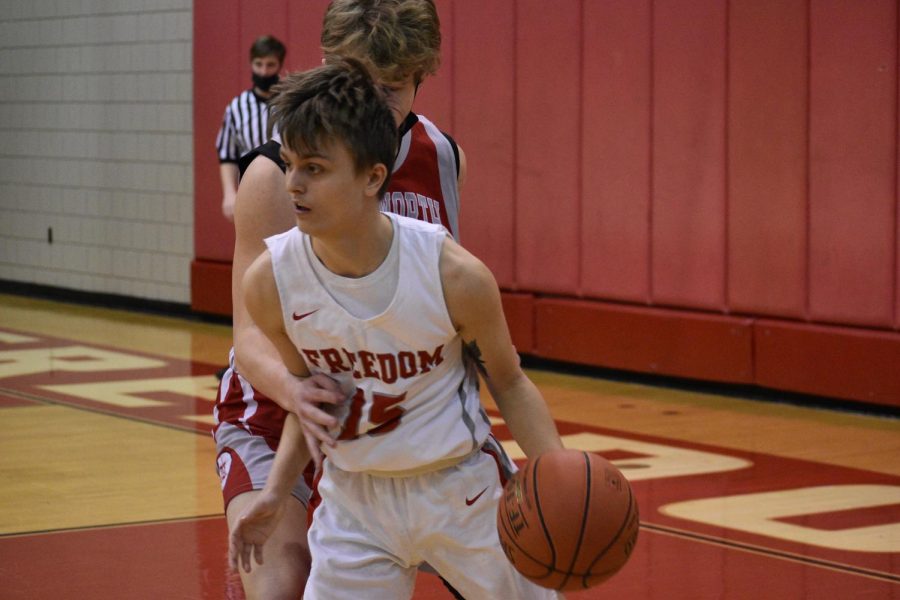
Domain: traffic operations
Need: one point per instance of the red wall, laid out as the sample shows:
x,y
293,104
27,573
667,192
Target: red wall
x,y
701,188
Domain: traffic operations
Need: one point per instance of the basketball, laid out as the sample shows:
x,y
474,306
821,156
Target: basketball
x,y
568,520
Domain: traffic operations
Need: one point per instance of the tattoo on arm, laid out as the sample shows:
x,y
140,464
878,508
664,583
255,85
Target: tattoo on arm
x,y
472,352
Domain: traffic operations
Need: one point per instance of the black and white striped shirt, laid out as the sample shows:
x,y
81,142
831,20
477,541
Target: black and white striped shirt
x,y
243,126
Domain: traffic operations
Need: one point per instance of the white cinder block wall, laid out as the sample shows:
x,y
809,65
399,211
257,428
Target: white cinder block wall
x,y
96,145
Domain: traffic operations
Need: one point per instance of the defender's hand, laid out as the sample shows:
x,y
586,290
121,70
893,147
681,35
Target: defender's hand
x,y
254,527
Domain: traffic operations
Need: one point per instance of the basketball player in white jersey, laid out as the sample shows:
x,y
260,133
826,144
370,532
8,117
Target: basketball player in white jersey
x,y
400,319
401,40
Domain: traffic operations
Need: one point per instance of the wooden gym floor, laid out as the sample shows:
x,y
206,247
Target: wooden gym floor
x,y
109,488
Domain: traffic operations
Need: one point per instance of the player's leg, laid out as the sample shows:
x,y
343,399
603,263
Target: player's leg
x,y
244,463
466,548
358,540
285,554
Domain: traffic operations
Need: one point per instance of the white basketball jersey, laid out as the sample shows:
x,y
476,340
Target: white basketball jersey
x,y
412,399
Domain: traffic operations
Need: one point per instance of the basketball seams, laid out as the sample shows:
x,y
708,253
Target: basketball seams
x,y
550,570
585,508
540,513
629,514
578,522
511,538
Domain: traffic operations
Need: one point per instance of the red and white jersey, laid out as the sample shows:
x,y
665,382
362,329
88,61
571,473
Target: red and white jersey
x,y
413,401
424,184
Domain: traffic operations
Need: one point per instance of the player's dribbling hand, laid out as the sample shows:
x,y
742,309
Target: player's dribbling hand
x,y
253,528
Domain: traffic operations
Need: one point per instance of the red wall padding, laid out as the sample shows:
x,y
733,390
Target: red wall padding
x,y
767,156
223,33
436,98
519,311
734,159
616,149
484,119
688,204
833,361
217,78
304,27
853,162
548,138
211,287
659,341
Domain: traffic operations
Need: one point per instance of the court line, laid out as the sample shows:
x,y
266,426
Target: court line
x,y
771,552
42,532
661,529
97,410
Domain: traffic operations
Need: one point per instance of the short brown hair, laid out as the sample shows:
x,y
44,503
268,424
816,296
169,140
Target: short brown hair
x,y
337,101
268,45
399,39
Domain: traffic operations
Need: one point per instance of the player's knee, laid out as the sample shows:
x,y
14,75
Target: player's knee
x,y
284,580
274,594
284,587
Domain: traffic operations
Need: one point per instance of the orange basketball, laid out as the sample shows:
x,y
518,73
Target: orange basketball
x,y
568,520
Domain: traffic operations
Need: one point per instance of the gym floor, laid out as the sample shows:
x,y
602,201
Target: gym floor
x,y
109,488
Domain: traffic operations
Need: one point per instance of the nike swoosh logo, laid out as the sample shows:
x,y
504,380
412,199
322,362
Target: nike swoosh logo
x,y
475,499
304,315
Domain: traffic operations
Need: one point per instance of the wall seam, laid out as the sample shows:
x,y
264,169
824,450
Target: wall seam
x,y
651,133
515,145
453,21
896,165
726,180
807,301
579,183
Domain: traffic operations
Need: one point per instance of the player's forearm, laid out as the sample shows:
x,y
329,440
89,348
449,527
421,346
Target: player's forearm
x,y
291,458
527,416
258,362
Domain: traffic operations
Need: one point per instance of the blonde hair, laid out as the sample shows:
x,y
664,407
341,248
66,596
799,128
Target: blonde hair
x,y
398,39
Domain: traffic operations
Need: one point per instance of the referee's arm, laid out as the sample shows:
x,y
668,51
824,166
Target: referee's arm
x,y
228,168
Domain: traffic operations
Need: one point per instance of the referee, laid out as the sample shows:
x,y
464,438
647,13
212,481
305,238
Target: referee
x,y
244,124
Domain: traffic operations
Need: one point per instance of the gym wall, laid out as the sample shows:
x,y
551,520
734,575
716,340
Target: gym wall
x,y
96,166
695,188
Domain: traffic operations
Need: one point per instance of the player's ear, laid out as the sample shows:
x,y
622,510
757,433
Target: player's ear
x,y
376,177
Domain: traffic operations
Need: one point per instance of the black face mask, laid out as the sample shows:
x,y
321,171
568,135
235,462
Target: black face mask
x,y
264,83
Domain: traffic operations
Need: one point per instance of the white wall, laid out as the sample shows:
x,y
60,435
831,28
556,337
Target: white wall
x,y
96,143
